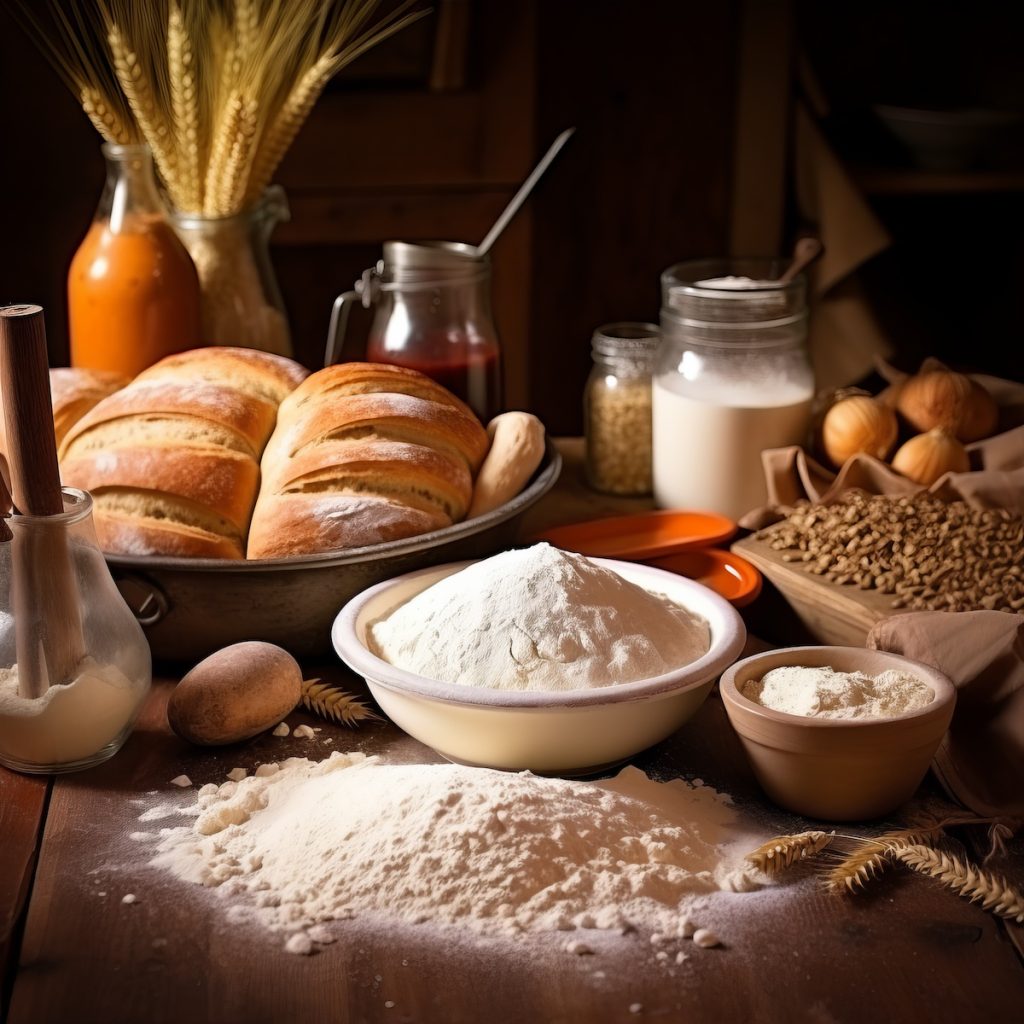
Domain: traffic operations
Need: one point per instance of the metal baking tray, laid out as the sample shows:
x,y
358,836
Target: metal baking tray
x,y
190,607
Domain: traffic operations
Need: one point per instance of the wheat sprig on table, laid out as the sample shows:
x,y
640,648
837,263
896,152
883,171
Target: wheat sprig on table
x,y
330,701
871,859
781,852
993,892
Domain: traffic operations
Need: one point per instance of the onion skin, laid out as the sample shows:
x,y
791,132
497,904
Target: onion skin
x,y
927,457
858,424
951,401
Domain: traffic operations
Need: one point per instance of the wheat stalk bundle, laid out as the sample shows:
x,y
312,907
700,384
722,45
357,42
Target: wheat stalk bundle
x,y
218,89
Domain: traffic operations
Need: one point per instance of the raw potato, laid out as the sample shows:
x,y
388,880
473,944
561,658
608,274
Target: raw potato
x,y
235,693
517,446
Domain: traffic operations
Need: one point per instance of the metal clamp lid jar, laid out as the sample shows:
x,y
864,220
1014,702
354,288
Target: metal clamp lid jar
x,y
617,408
733,378
432,313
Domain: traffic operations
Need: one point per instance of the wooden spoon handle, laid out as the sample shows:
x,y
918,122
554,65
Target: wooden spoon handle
x,y
25,379
44,592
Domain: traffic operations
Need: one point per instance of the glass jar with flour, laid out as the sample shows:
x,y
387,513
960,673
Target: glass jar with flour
x,y
74,662
733,378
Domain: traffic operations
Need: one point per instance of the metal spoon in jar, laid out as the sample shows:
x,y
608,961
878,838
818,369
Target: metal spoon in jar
x,y
520,197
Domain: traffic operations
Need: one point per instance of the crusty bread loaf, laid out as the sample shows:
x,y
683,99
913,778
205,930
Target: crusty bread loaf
x,y
73,392
364,452
172,460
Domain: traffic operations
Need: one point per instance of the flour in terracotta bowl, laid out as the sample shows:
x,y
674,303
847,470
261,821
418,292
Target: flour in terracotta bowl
x,y
539,619
300,845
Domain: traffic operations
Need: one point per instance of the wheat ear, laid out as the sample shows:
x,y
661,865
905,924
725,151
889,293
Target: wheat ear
x,y
330,701
139,93
991,891
871,859
230,184
287,122
103,118
184,109
779,853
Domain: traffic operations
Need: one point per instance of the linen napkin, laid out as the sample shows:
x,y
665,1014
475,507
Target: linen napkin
x,y
980,761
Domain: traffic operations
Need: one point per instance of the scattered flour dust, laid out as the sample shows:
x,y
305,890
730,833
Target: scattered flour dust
x,y
498,853
824,693
539,619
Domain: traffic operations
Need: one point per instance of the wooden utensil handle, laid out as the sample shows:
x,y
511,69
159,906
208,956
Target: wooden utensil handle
x,y
25,379
44,593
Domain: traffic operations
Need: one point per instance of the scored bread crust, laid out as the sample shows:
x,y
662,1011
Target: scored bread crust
x,y
75,391
128,531
304,524
419,476
259,374
358,440
209,478
346,379
248,420
388,417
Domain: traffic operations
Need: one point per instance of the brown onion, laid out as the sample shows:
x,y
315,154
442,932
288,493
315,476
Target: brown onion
x,y
858,424
952,401
926,457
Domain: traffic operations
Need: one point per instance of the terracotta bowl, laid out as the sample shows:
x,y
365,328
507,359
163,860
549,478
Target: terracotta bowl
x,y
573,732
837,769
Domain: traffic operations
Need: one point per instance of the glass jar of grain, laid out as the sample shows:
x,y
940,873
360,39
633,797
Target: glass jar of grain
x,y
617,408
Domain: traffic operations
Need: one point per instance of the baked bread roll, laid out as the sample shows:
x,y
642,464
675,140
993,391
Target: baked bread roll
x,y
517,446
364,453
172,460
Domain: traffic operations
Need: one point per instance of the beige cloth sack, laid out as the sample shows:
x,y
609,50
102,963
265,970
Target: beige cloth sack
x,y
980,761
996,478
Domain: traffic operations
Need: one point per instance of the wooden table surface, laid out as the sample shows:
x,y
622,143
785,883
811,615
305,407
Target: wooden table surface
x,y
72,951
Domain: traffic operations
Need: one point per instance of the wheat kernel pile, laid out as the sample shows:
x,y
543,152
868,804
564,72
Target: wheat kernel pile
x,y
927,553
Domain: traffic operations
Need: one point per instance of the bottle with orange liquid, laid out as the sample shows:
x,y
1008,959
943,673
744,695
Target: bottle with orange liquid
x,y
133,293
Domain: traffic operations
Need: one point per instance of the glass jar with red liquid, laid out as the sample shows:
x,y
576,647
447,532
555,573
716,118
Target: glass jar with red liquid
x,y
432,313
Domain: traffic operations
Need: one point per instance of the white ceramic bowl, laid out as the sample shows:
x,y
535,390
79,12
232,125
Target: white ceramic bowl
x,y
574,732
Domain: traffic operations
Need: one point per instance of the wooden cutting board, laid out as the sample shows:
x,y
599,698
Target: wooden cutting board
x,y
833,613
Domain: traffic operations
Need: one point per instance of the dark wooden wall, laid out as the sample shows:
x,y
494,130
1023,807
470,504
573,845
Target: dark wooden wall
x,y
429,139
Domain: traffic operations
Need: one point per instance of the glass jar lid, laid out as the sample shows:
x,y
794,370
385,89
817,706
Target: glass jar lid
x,y
637,341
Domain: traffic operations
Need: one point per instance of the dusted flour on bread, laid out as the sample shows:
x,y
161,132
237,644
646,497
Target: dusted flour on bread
x,y
539,619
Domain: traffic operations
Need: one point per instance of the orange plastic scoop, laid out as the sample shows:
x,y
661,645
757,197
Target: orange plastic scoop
x,y
641,536
729,575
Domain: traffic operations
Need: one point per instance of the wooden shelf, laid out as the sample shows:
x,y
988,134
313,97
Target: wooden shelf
x,y
900,181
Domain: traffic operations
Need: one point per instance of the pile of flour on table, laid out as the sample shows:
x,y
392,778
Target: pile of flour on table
x,y
304,843
539,619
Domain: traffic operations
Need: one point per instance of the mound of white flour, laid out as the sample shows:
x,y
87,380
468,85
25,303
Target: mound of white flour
x,y
539,619
821,692
305,843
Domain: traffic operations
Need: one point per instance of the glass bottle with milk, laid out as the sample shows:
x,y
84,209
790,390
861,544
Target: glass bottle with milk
x,y
733,378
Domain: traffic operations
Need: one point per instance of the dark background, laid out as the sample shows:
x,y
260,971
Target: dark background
x,y
683,148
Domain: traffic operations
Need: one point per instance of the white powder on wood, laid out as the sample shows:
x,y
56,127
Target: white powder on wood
x,y
538,619
68,722
502,854
824,693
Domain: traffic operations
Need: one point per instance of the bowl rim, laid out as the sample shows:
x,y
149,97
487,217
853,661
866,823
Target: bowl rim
x,y
545,477
942,686
354,653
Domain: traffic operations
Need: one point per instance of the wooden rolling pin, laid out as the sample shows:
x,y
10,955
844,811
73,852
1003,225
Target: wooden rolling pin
x,y
45,598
